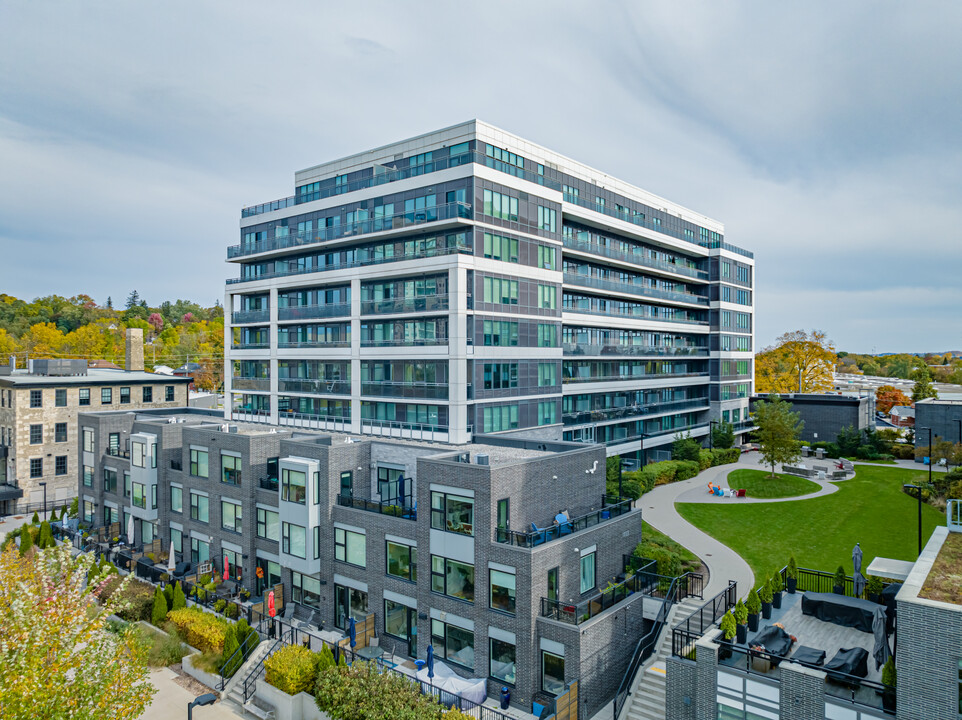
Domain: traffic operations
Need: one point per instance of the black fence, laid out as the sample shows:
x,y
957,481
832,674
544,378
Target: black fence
x,y
822,582
13,508
539,536
577,613
402,507
688,631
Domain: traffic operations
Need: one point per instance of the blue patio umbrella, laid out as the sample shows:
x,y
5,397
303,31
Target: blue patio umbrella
x,y
400,488
352,632
430,661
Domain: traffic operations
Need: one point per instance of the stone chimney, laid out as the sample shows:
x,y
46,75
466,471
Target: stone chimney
x,y
134,355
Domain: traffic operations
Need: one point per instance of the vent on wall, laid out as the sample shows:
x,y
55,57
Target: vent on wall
x,y
481,459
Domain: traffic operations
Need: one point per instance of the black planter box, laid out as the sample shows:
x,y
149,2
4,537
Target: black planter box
x,y
741,633
792,584
752,622
766,610
838,589
776,600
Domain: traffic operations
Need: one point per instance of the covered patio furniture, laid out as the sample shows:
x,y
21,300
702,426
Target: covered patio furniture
x,y
446,679
847,662
182,569
775,644
840,610
810,657
227,589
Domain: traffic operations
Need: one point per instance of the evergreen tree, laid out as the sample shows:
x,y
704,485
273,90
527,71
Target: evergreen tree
x,y
159,613
169,595
923,385
723,435
26,540
45,538
35,519
180,600
685,448
110,303
848,441
778,432
133,299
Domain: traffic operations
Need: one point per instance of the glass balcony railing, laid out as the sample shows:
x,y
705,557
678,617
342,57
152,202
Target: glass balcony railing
x,y
315,386
405,342
297,344
633,258
641,291
636,313
634,350
426,303
243,345
251,383
250,316
539,536
449,211
584,417
309,312
402,508
414,390
625,378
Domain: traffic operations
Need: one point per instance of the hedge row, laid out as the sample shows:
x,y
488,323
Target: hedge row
x,y
638,482
202,630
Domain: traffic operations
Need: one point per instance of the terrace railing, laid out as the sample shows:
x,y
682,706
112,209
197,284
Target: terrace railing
x,y
583,522
577,613
686,632
401,509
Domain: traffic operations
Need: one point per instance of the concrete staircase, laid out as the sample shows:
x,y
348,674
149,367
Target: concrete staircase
x,y
646,700
234,691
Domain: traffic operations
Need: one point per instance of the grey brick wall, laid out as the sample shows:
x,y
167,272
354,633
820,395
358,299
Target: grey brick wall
x,y
927,660
801,693
827,414
680,679
706,680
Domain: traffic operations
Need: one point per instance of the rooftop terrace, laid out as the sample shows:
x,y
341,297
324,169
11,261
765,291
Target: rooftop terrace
x,y
944,581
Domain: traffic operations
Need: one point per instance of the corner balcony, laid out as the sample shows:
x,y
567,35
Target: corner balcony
x,y
256,384
250,316
540,536
311,312
449,211
426,303
637,350
314,386
402,508
633,258
412,390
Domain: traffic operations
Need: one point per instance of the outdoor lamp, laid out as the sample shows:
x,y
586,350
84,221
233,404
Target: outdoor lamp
x,y
205,699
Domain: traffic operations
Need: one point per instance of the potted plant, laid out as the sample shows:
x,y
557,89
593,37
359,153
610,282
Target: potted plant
x,y
791,574
888,680
765,595
728,628
754,606
839,581
776,583
741,617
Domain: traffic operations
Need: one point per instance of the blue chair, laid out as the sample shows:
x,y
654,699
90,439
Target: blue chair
x,y
541,533
420,664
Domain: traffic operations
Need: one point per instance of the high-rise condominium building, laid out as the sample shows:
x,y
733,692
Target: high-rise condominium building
x,y
467,281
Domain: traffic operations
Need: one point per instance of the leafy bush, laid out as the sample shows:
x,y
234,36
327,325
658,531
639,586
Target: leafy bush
x,y
325,659
866,452
765,592
685,448
727,625
362,692
671,559
740,613
219,605
200,629
725,456
135,601
753,604
705,459
839,578
902,451
36,518
293,669
888,672
231,611
874,585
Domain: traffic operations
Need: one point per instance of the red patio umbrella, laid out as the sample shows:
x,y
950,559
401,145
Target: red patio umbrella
x,y
270,603
226,568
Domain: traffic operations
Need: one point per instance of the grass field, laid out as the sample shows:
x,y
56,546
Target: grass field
x,y
821,532
760,484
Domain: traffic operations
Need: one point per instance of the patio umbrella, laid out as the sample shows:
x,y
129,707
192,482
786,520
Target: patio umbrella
x,y
226,568
352,632
430,661
171,559
881,651
130,530
400,489
858,580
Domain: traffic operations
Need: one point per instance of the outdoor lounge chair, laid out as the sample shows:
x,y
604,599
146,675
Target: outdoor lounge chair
x,y
740,492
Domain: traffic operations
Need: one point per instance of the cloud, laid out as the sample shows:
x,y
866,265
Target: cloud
x,y
826,138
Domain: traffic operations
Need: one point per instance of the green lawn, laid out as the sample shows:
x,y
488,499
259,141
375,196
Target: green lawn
x,y
821,532
653,536
760,484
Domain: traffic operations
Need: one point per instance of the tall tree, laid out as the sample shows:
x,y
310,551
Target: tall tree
x,y
110,303
723,435
63,663
888,396
923,385
778,431
798,362
132,300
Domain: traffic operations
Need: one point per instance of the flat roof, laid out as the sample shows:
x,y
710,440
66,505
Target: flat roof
x,y
889,568
94,376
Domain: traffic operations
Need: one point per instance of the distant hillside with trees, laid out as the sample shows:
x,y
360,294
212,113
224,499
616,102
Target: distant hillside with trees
x,y
77,327
944,368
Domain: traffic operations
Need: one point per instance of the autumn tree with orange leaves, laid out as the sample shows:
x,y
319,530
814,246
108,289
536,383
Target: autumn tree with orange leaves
x,y
888,396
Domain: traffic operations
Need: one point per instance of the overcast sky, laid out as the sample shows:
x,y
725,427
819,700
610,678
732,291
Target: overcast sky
x,y
825,136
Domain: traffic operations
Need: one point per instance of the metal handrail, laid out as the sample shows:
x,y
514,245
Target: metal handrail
x,y
582,522
721,603
404,509
250,682
238,657
627,288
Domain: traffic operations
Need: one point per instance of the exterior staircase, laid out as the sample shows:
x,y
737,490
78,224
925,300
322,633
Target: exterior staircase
x,y
647,698
240,689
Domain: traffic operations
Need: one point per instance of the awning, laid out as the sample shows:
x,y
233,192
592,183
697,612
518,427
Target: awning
x,y
889,568
9,492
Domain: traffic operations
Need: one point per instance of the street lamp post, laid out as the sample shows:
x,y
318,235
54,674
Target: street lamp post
x,y
918,495
44,486
205,699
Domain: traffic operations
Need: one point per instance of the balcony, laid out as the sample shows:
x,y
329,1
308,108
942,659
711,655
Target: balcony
x,y
314,386
406,510
449,211
117,452
426,303
633,258
250,316
309,312
576,613
637,313
269,484
415,431
630,289
417,342
250,346
258,384
413,390
540,536
625,378
632,411
636,350
299,344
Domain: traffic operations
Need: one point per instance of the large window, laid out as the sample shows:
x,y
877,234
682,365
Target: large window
x,y
348,602
552,673
60,465
36,434
452,513
89,511
138,495
294,540
88,439
231,515
268,525
306,590
453,643
198,462
176,499
504,417
547,335
452,578
177,539
199,507
502,591
547,297
88,476
389,486
60,397
84,397
546,257
125,396
169,393
230,469
60,432
547,219
500,376
106,396
547,412
398,621
547,374
36,398
148,394
402,561
500,206
138,454
110,480
500,290
350,547
199,550
502,655
294,486
588,572
500,333
497,247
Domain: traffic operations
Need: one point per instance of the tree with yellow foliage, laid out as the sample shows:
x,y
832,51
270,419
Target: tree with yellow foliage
x,y
798,362
59,661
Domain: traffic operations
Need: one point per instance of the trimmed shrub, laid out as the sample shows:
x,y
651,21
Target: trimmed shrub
x,y
725,456
231,611
159,612
179,600
705,459
36,518
666,562
362,692
727,625
740,613
200,629
26,540
219,605
293,669
169,595
325,659
753,604
137,600
685,448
